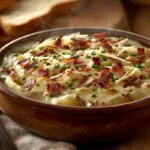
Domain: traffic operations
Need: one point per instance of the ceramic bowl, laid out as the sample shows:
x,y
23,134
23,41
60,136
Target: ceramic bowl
x,y
74,124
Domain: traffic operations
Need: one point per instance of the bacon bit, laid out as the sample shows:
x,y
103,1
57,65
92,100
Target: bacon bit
x,y
128,97
43,73
96,61
68,60
147,70
66,47
113,91
148,86
94,103
80,101
83,80
141,54
58,41
42,52
80,43
68,71
12,72
23,61
117,69
133,60
106,46
54,88
132,81
104,78
30,84
99,36
81,65
140,51
29,66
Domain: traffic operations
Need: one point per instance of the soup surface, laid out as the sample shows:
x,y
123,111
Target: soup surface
x,y
80,70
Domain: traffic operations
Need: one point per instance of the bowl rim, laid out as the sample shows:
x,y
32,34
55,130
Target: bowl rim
x,y
118,107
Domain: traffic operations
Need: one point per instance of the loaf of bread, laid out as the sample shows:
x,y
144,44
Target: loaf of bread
x,y
6,4
28,15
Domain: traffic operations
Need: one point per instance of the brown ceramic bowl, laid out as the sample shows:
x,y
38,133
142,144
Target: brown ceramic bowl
x,y
74,124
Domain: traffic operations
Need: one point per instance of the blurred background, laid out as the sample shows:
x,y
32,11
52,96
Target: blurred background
x,y
20,17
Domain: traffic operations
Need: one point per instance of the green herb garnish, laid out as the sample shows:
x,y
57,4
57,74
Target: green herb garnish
x,y
94,96
140,66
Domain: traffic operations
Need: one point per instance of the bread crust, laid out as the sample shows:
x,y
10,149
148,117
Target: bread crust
x,y
36,23
6,4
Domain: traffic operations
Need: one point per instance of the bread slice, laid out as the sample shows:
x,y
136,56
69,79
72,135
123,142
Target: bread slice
x,y
28,15
5,4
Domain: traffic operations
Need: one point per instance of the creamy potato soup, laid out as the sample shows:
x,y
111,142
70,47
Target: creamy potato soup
x,y
80,70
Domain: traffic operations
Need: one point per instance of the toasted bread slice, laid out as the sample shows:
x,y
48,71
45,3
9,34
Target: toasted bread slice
x,y
28,15
6,4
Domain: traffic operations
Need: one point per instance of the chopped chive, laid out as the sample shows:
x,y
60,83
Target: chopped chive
x,y
33,59
51,95
144,77
41,48
130,90
64,68
114,79
45,55
140,66
35,66
88,85
95,66
94,96
71,84
54,74
104,58
54,56
90,37
47,69
103,52
88,56
94,89
15,55
3,78
23,78
77,56
89,75
76,67
37,84
111,74
57,66
93,53
133,55
122,57
108,64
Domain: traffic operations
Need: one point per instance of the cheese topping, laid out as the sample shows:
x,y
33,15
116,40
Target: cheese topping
x,y
80,70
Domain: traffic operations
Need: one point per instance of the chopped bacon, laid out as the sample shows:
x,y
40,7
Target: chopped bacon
x,y
69,60
133,60
148,86
80,101
140,51
81,65
113,91
83,80
96,61
12,72
106,46
23,61
43,73
128,97
147,70
58,41
94,103
141,54
54,88
29,66
99,36
104,78
30,84
117,68
132,81
80,43
42,52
